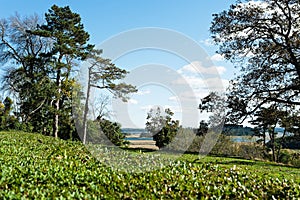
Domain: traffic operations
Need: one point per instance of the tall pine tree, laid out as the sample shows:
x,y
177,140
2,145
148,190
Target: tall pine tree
x,y
69,39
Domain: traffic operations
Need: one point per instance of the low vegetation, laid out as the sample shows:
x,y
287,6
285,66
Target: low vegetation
x,y
36,166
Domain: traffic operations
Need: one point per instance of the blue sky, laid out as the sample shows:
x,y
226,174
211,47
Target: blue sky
x,y
106,19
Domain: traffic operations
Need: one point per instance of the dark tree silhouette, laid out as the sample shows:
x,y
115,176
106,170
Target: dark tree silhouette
x,y
262,38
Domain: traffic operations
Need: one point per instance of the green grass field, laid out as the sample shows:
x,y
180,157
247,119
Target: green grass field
x,y
35,166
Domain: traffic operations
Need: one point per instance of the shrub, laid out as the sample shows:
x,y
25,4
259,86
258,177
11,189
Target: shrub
x,y
166,134
167,129
105,132
186,140
288,156
290,142
183,140
250,151
224,146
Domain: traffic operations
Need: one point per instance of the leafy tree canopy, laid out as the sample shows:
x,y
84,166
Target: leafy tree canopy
x,y
161,125
263,39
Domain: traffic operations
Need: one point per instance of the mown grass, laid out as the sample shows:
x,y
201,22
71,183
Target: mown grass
x,y
35,166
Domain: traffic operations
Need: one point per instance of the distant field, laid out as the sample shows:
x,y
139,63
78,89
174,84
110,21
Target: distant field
x,y
35,166
146,144
137,142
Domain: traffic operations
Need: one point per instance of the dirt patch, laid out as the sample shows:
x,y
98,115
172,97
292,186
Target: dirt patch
x,y
145,144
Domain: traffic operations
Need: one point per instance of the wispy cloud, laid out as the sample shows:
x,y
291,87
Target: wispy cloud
x,y
147,107
217,57
173,99
143,92
133,101
175,109
192,75
207,42
197,67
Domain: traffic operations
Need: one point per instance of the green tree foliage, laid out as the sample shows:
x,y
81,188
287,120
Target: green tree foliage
x,y
262,38
105,132
7,120
214,103
203,128
266,120
43,57
156,120
65,30
292,123
112,131
26,76
162,126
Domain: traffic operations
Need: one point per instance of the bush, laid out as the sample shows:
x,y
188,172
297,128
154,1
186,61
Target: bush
x,y
183,140
186,140
250,151
290,142
288,156
165,135
161,126
285,157
224,146
105,132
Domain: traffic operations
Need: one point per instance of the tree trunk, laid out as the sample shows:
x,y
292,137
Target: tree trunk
x,y
56,120
272,140
86,109
280,145
57,107
264,137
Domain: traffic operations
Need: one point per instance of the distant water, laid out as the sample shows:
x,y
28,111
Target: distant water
x,y
133,131
138,138
254,138
242,139
138,131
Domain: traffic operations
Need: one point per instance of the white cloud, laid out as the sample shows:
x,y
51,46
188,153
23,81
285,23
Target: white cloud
x,y
143,92
130,101
175,109
133,101
199,87
217,57
173,98
217,84
200,84
208,42
197,67
147,107
221,69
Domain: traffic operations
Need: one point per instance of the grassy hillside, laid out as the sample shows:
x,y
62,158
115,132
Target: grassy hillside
x,y
42,167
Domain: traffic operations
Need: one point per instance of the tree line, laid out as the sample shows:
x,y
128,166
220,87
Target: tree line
x,y
40,58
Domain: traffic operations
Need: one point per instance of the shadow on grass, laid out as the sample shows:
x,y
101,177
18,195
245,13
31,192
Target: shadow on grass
x,y
257,163
144,150
229,160
232,160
